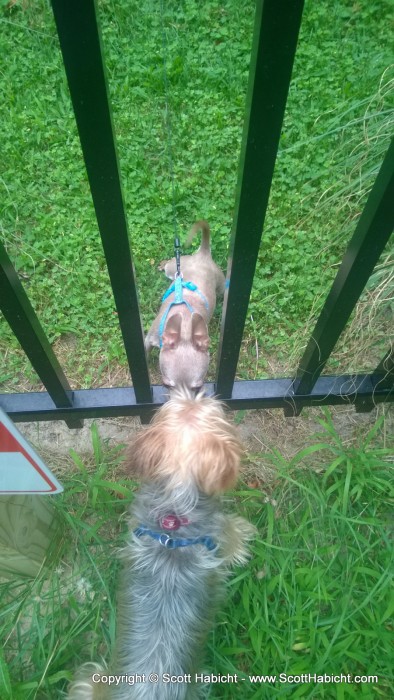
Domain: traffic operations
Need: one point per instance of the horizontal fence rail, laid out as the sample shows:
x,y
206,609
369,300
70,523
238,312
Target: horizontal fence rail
x,y
265,393
386,369
382,377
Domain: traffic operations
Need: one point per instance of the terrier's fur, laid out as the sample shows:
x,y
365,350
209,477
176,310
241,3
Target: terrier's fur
x,y
184,341
186,457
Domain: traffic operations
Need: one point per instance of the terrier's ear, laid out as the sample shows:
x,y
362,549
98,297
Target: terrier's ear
x,y
172,332
200,337
145,452
218,463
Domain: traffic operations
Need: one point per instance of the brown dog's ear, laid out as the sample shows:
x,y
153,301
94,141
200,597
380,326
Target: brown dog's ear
x,y
216,463
145,452
172,332
200,337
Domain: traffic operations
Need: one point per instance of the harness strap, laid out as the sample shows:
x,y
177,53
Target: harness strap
x,y
177,288
172,542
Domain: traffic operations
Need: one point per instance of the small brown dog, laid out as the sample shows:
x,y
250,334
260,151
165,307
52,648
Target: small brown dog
x,y
180,330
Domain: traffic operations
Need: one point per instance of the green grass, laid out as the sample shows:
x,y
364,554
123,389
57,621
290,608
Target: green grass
x,y
337,126
315,597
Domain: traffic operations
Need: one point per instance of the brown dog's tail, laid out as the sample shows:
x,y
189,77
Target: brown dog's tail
x,y
203,226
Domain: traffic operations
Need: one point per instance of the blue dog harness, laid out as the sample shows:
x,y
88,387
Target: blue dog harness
x,y
177,288
175,542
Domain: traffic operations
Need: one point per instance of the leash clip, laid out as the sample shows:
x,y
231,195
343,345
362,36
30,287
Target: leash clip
x,y
166,541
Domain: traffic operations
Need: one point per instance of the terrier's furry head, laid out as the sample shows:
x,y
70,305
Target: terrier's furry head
x,y
188,441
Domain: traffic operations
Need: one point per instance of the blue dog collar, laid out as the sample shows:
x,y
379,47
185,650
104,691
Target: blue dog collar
x,y
175,542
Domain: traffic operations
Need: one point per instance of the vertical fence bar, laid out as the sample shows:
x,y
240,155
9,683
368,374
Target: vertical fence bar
x,y
79,37
373,230
25,325
277,25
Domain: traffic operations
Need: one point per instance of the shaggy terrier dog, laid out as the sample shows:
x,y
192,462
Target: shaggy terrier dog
x,y
182,546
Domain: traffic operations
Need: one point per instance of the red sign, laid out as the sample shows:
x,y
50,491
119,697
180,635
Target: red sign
x,y
21,469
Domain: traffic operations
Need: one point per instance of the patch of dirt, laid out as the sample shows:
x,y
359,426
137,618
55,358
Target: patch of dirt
x,y
262,432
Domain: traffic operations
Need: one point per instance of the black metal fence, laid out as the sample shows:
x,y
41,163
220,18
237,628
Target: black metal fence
x,y
275,39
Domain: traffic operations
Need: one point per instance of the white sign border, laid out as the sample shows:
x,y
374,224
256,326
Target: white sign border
x,y
58,488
